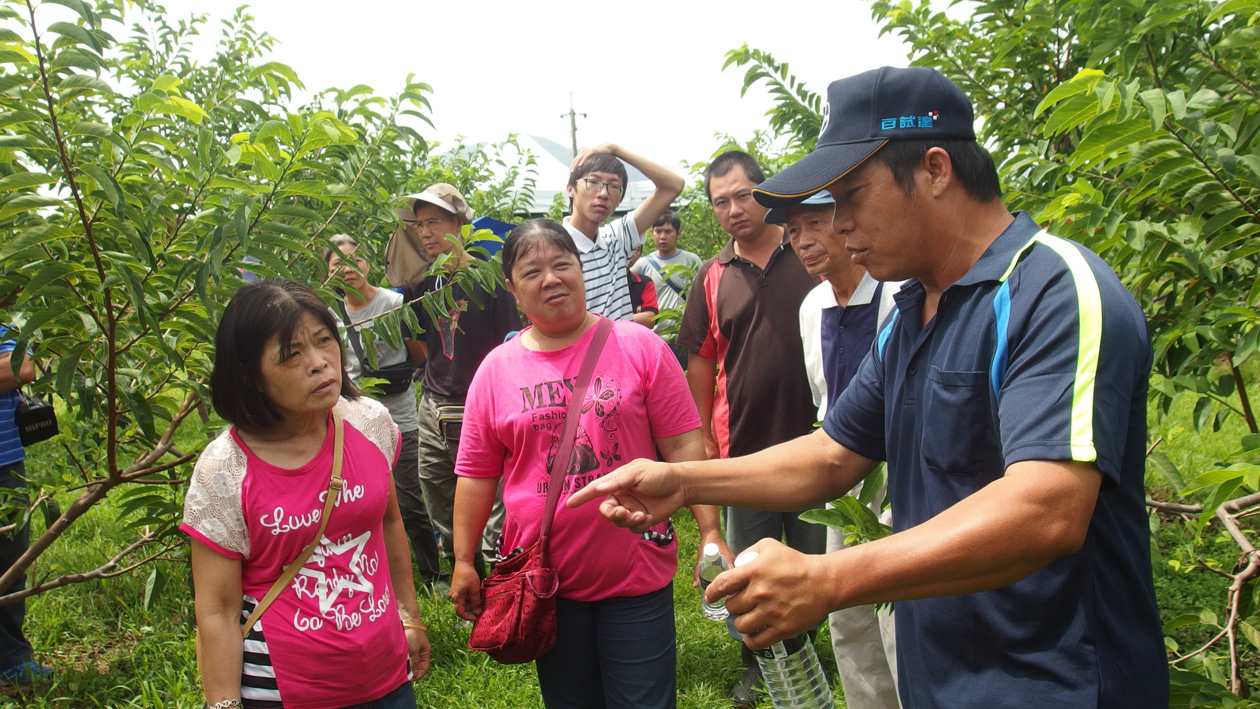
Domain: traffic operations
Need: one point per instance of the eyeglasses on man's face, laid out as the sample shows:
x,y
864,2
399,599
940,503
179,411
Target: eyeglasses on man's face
x,y
595,187
431,225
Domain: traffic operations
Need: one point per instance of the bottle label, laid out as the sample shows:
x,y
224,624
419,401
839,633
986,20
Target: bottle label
x,y
783,648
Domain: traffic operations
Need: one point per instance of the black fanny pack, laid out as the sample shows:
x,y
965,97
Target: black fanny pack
x,y
35,418
397,376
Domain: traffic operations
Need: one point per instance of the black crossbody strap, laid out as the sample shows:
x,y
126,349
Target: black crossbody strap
x,y
352,333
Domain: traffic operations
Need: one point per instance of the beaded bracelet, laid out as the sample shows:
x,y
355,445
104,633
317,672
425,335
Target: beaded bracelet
x,y
417,625
225,704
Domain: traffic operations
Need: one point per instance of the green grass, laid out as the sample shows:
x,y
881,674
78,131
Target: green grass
x,y
109,651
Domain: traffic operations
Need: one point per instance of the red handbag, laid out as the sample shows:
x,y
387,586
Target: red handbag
x,y
518,601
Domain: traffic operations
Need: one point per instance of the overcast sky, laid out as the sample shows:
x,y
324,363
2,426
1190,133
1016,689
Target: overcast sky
x,y
647,74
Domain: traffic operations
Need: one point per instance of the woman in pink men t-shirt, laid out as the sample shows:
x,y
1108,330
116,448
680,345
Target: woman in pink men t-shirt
x,y
346,630
615,606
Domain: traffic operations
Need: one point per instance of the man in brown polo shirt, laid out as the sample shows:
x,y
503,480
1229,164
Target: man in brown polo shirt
x,y
746,368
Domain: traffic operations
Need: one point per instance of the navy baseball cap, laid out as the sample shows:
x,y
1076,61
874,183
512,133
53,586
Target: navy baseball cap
x,y
861,115
779,215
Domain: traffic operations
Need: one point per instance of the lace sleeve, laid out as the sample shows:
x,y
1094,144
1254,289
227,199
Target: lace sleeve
x,y
212,507
372,419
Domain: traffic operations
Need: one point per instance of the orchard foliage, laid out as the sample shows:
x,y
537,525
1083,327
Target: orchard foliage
x,y
1134,128
137,184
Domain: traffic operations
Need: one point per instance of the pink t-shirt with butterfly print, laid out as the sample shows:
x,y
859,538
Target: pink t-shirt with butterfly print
x,y
333,637
512,422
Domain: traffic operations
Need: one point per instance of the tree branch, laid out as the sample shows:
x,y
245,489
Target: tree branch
x,y
1240,384
107,570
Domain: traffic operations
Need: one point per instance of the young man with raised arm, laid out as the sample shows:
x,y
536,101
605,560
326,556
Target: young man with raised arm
x,y
597,184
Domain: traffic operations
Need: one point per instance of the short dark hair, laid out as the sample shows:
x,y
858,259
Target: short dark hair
x,y
973,165
600,162
256,313
726,162
669,217
525,238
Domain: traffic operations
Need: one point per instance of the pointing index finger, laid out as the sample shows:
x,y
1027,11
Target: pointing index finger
x,y
592,490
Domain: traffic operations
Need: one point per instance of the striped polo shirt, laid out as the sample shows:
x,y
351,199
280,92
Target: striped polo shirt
x,y
1037,353
604,263
10,443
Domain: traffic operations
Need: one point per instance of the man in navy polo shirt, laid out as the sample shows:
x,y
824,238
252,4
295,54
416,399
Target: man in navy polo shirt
x,y
1007,394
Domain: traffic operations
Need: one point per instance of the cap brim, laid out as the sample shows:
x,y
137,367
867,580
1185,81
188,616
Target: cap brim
x,y
824,165
777,215
438,202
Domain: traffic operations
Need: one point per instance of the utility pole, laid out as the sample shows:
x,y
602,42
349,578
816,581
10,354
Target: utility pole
x,y
573,122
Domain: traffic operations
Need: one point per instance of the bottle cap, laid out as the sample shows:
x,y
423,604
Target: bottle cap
x,y
745,558
710,549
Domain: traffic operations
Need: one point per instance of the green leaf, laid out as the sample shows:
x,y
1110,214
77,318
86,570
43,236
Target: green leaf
x,y
184,108
16,55
106,182
1249,632
75,33
23,180
26,203
306,188
1213,477
67,368
1241,38
153,587
83,81
1153,100
873,485
40,234
1251,442
240,220
51,509
96,130
274,129
1232,7
1161,16
50,272
1184,620
827,517
11,118
1071,113
1084,81
1202,412
1167,470
166,82
77,5
1177,103
142,412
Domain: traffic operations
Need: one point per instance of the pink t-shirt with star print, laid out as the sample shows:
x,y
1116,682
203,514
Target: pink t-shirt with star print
x,y
333,636
512,423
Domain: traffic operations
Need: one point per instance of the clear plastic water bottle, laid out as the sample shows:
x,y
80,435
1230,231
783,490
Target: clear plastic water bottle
x,y
711,564
790,669
793,677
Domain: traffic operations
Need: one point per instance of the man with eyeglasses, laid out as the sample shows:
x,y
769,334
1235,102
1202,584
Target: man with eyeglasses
x,y
457,340
597,183
746,364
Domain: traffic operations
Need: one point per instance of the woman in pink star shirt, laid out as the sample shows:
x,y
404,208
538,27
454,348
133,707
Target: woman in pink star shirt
x,y
346,629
